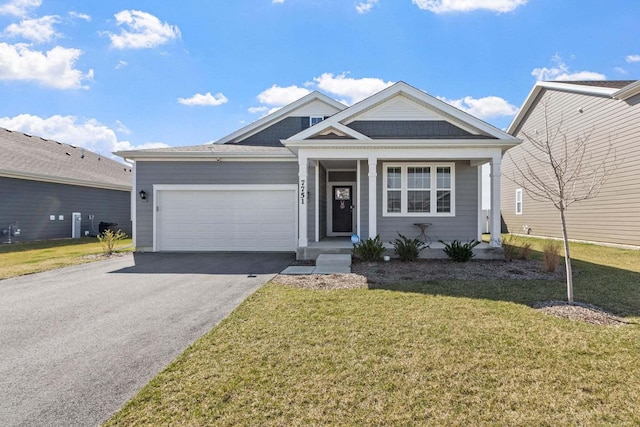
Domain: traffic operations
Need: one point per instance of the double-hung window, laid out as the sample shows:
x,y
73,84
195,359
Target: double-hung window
x,y
418,189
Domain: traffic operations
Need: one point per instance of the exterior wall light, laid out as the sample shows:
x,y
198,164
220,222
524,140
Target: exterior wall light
x,y
143,195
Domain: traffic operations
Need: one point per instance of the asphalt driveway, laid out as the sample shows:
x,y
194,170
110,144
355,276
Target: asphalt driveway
x,y
79,342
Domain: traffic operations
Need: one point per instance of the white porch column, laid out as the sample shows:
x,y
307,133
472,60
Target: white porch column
x,y
303,186
373,218
495,223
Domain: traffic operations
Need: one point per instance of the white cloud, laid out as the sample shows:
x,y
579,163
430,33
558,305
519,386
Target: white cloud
x,y
141,30
445,6
353,90
256,110
483,108
279,96
632,58
366,6
86,133
277,1
206,99
78,15
54,68
560,72
620,70
19,7
122,128
121,64
39,30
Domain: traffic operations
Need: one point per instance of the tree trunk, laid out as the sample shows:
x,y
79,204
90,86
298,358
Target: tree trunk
x,y
567,257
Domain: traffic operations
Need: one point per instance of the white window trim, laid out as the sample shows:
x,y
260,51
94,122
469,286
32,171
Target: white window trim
x,y
315,117
404,190
518,200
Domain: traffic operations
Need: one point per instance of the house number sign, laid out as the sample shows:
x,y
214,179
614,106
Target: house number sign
x,y
302,191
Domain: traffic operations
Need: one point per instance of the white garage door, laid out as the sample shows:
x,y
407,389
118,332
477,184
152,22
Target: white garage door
x,y
227,218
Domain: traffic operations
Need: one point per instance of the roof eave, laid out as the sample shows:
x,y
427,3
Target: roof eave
x,y
403,143
567,87
61,180
199,155
627,91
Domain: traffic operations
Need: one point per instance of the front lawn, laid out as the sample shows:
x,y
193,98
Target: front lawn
x,y
433,353
33,257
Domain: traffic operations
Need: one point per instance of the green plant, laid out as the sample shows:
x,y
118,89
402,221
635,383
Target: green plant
x,y
515,248
369,250
550,256
460,252
407,249
110,239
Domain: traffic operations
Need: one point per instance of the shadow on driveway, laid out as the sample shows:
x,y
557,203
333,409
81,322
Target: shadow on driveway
x,y
209,263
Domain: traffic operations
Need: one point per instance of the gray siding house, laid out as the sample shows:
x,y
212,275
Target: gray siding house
x,y
610,112
317,172
50,190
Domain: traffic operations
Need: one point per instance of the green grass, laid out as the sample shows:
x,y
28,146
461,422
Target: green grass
x,y
33,257
434,353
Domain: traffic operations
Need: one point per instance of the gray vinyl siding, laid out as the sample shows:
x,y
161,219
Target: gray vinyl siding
x,y
611,217
30,204
410,129
272,135
323,202
463,226
150,173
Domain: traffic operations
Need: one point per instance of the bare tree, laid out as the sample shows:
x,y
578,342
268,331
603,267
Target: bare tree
x,y
551,167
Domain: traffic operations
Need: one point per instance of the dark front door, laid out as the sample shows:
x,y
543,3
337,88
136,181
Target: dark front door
x,y
342,209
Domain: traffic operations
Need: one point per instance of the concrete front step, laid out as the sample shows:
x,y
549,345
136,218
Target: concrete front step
x,y
326,260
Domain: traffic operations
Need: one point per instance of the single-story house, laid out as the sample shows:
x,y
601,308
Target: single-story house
x,y
607,113
319,171
51,190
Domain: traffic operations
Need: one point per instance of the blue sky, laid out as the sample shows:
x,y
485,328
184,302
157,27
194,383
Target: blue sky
x,y
141,74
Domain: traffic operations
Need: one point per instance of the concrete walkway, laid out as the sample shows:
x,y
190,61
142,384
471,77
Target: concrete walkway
x,y
325,264
77,343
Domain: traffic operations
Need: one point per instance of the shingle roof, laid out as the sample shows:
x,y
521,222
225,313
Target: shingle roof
x,y
209,150
613,84
33,157
222,148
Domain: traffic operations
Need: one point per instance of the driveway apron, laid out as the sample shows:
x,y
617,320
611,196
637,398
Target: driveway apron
x,y
77,343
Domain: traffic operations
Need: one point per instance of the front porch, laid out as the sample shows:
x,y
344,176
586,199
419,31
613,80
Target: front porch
x,y
343,245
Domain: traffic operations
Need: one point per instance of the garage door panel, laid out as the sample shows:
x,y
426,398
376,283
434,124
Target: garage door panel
x,y
221,220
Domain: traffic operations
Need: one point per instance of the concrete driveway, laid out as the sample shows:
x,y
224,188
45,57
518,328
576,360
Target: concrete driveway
x,y
77,343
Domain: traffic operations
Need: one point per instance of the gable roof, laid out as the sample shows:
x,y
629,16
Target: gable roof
x,y
615,89
39,159
281,114
415,105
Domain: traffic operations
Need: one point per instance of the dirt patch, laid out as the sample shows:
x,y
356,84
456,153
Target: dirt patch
x,y
580,312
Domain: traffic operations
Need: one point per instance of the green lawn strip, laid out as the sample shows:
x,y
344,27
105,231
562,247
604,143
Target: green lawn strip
x,y
34,257
417,355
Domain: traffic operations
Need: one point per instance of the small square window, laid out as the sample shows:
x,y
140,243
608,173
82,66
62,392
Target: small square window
x,y
314,120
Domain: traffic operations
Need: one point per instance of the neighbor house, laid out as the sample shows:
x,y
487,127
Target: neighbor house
x,y
608,114
318,171
51,190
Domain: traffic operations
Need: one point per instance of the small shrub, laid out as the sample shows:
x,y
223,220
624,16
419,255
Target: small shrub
x,y
551,256
515,249
525,251
510,247
109,240
460,252
369,250
407,249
